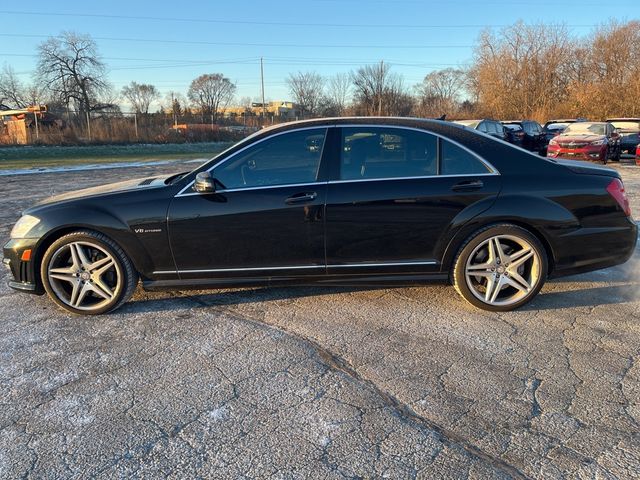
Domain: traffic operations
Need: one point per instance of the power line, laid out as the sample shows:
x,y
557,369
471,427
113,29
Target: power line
x,y
243,44
278,24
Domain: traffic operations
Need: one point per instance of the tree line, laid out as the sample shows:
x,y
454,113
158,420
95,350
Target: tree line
x,y
521,71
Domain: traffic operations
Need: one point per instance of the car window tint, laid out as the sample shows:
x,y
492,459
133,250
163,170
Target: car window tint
x,y
457,161
387,153
482,127
284,159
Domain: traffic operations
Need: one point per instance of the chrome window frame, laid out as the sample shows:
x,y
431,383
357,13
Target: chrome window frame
x,y
492,170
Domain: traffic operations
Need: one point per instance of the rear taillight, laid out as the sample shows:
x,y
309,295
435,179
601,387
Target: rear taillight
x,y
616,190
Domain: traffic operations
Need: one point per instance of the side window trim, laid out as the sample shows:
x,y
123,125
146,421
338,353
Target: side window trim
x,y
188,188
336,178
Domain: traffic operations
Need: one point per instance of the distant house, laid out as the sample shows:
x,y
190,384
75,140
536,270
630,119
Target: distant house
x,y
282,110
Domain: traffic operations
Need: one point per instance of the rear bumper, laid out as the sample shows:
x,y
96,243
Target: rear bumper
x,y
589,249
24,275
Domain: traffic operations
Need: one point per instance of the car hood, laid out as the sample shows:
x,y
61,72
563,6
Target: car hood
x,y
578,138
125,186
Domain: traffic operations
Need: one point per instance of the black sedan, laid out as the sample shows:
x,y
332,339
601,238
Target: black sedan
x,y
350,201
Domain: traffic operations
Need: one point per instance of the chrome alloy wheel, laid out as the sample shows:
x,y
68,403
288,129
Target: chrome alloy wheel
x,y
502,270
84,275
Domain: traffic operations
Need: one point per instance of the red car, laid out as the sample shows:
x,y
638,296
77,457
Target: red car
x,y
638,155
586,141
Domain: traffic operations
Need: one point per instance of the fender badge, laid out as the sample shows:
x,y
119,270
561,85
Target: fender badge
x,y
147,230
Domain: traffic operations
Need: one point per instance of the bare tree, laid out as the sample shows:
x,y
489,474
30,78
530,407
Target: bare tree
x,y
377,91
307,90
12,91
338,92
440,92
70,68
211,93
140,96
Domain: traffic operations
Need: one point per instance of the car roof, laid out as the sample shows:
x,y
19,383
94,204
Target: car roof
x,y
622,119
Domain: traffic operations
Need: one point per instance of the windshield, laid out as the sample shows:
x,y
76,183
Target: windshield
x,y
635,126
584,128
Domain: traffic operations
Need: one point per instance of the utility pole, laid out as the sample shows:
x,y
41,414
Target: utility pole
x,y
135,125
380,88
35,118
264,108
88,126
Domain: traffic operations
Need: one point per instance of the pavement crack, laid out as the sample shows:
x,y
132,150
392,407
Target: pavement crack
x,y
400,409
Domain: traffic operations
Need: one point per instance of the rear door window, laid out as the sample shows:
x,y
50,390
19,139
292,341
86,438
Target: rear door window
x,y
372,152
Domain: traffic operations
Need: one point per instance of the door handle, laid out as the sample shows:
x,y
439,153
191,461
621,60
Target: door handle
x,y
301,198
467,185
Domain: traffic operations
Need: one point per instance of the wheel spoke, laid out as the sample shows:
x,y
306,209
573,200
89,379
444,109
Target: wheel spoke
x,y
482,273
79,257
74,293
100,263
518,282
501,256
521,259
84,289
513,283
65,277
492,288
102,289
479,266
515,256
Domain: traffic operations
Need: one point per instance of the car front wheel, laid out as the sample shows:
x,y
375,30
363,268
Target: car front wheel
x,y
500,268
87,273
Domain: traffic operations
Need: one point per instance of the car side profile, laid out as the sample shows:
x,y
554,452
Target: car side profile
x,y
629,129
347,201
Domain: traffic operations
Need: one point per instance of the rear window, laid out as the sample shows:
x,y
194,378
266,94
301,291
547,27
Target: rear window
x,y
626,125
514,127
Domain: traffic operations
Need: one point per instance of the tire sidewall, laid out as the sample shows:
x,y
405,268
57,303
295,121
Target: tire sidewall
x,y
86,237
479,237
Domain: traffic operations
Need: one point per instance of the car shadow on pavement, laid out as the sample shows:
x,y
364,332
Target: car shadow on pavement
x,y
161,301
558,297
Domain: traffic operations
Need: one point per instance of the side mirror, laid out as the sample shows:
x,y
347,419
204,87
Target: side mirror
x,y
204,183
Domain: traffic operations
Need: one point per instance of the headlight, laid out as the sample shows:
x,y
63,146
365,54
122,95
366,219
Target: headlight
x,y
599,142
23,226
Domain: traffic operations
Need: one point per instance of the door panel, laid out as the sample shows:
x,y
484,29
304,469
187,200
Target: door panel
x,y
249,232
396,221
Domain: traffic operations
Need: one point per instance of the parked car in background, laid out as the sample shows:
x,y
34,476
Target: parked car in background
x,y
554,128
638,155
527,134
488,126
629,129
586,141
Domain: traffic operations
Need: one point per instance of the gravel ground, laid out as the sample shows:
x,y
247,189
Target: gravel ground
x,y
322,383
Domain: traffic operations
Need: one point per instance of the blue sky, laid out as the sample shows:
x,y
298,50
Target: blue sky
x,y
327,36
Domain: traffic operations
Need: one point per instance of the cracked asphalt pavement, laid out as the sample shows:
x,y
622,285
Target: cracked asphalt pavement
x,y
320,382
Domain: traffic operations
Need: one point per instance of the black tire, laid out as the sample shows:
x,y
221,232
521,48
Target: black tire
x,y
122,267
459,276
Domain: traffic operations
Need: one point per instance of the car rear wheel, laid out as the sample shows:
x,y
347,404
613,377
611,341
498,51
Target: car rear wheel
x,y
500,268
87,273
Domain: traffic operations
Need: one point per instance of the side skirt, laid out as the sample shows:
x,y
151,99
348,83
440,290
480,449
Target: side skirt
x,y
397,280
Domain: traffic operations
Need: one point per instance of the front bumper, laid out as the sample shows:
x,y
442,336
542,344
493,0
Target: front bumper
x,y
25,278
588,153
